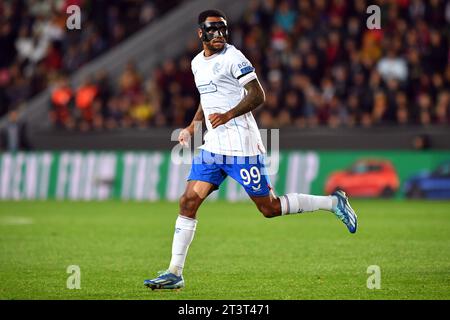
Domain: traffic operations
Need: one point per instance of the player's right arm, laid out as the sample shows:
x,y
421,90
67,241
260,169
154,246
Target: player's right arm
x,y
186,133
253,99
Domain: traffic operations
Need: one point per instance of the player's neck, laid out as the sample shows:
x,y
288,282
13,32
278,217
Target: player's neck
x,y
207,52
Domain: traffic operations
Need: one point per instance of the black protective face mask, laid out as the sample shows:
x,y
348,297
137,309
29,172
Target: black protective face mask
x,y
211,30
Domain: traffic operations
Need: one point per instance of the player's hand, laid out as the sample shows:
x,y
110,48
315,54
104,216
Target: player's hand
x,y
218,119
184,137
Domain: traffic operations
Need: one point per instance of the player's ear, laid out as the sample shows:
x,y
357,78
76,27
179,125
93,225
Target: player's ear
x,y
200,33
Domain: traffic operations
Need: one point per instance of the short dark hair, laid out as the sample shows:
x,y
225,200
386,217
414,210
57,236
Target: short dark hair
x,y
210,13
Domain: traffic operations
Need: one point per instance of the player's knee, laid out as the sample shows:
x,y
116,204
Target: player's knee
x,y
267,211
270,209
188,204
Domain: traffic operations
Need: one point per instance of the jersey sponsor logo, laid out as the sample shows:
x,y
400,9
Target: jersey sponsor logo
x,y
207,88
243,64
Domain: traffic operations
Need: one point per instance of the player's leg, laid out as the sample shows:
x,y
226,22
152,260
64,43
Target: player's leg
x,y
203,179
186,223
337,203
271,206
185,226
293,203
195,193
251,174
268,205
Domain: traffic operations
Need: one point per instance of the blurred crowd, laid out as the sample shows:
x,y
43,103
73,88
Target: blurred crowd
x,y
318,62
38,50
166,98
321,65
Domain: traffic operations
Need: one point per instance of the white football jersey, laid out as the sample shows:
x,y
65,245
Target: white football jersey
x,y
220,80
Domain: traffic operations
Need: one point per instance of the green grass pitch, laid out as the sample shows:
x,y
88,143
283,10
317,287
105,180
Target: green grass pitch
x,y
236,253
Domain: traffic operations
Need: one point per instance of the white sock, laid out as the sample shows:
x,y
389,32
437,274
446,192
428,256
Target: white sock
x,y
298,203
182,238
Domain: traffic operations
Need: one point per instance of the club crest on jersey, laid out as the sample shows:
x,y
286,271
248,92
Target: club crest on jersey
x,y
216,68
207,88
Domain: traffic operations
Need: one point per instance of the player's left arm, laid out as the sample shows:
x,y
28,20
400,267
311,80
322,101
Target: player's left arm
x,y
185,135
253,99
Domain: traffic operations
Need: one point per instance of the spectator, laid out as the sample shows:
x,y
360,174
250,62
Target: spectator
x,y
285,17
424,105
421,142
380,108
4,100
130,81
437,55
402,110
443,108
291,114
85,97
15,134
61,101
269,115
392,67
142,111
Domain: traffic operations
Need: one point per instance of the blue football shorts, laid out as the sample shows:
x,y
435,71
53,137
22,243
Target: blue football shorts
x,y
249,172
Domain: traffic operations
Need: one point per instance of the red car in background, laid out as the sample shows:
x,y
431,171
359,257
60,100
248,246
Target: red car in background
x,y
365,178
